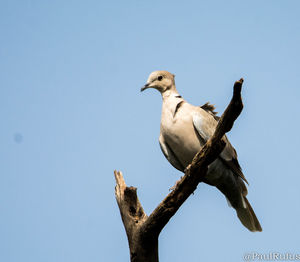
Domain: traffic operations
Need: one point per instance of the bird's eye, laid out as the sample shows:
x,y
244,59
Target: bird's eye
x,y
159,78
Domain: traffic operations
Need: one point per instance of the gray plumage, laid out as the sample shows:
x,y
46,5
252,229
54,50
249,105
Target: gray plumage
x,y
184,129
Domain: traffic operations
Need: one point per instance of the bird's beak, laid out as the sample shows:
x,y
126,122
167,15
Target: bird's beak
x,y
145,87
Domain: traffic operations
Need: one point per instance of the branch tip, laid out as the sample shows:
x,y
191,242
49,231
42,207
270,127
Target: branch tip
x,y
237,88
120,183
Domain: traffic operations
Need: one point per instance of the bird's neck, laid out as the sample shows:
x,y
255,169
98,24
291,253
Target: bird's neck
x,y
170,93
171,99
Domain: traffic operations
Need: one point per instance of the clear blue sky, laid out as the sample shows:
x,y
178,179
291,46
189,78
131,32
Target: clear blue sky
x,y
71,112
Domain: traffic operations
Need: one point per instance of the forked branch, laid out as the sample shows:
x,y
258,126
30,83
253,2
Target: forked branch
x,y
142,231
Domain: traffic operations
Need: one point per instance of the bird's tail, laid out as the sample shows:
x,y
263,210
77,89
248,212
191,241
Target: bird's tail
x,y
247,216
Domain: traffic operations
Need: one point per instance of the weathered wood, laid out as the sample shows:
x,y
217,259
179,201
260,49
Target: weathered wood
x,y
142,247
143,231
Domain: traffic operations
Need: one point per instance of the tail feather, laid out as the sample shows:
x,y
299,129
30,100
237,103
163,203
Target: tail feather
x,y
248,217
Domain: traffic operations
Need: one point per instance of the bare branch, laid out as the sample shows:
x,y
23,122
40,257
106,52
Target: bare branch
x,y
133,217
143,231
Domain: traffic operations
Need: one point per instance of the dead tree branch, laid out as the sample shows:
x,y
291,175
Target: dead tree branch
x,y
143,231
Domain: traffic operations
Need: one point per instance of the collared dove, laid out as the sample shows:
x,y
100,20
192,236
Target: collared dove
x,y
184,129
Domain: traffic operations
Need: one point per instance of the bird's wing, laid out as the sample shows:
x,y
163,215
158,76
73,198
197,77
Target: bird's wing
x,y
205,125
209,108
169,154
229,158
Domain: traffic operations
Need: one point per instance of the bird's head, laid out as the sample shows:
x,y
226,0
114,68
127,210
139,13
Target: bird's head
x,y
160,80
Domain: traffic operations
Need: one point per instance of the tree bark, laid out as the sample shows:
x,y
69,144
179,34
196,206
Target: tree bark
x,y
143,231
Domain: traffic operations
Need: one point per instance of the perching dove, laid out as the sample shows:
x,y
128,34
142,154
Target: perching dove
x,y
184,129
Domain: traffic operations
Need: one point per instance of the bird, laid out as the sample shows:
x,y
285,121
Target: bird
x,y
184,129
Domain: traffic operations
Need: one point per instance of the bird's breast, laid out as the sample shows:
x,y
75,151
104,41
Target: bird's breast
x,y
179,133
